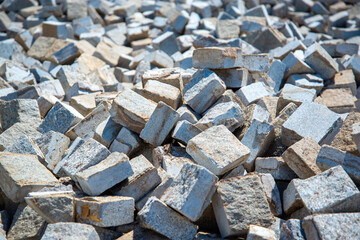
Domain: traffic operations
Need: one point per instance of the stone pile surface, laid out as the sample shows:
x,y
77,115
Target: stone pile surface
x,y
185,119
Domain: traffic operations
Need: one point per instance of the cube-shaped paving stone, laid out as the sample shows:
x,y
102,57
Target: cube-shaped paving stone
x,y
253,93
53,145
228,114
290,93
301,157
106,211
132,110
217,58
158,91
257,138
320,60
192,200
311,119
275,166
329,192
329,157
70,230
60,118
19,110
126,142
53,206
235,208
315,227
25,144
162,120
155,215
144,179
223,153
87,155
32,177
184,131
196,92
104,175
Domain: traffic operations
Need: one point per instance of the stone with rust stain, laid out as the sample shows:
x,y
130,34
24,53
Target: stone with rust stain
x,y
106,211
217,57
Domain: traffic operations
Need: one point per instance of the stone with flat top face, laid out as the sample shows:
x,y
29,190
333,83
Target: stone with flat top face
x,y
311,119
155,215
320,60
223,153
131,110
191,191
217,58
32,177
329,192
104,175
301,157
196,92
162,120
235,208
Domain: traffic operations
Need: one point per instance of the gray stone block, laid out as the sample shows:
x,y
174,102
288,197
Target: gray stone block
x,y
295,65
220,155
228,114
19,110
106,132
25,144
184,131
126,142
186,113
88,154
234,77
315,228
253,93
235,208
131,110
329,192
155,215
53,206
321,61
32,177
160,123
70,230
276,166
217,58
257,138
311,119
104,175
196,91
108,211
60,118
144,179
329,157
192,200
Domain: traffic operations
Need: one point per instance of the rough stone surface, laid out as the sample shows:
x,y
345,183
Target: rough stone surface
x,y
235,208
159,125
131,110
191,191
301,157
329,157
60,118
104,175
307,117
196,91
155,215
329,192
33,176
330,226
106,211
70,230
220,155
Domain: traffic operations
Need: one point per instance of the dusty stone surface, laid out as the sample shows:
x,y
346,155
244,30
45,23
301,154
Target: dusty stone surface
x,y
227,208
218,155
